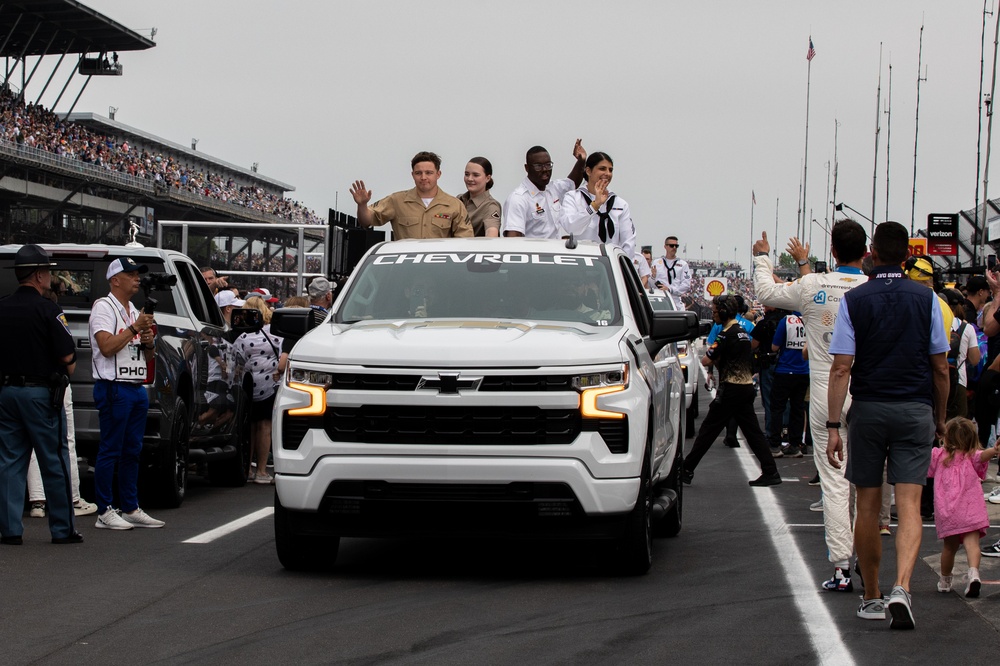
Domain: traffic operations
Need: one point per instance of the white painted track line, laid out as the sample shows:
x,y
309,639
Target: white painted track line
x,y
229,528
805,591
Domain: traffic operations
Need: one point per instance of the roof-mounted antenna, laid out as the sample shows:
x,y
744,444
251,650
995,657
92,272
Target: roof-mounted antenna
x,y
571,242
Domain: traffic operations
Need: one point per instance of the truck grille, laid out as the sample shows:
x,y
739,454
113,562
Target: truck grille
x,y
385,424
382,424
351,381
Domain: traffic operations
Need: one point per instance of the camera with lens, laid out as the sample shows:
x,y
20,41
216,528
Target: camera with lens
x,y
157,282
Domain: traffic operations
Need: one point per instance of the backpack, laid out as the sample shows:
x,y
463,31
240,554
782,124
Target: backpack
x,y
956,343
973,372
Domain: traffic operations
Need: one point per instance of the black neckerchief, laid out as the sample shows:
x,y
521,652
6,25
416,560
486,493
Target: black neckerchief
x,y
605,226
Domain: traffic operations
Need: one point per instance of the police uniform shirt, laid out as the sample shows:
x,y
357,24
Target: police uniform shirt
x,y
535,213
103,317
733,355
484,212
604,225
36,328
444,217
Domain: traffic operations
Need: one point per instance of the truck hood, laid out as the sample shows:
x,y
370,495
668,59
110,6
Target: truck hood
x,y
460,343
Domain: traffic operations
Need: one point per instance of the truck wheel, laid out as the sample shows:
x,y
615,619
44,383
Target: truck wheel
x,y
670,525
298,552
167,481
232,472
635,547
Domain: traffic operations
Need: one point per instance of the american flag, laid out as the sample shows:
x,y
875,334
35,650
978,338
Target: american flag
x,y
753,196
811,53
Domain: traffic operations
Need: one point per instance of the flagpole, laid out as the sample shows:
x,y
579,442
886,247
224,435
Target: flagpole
x,y
989,134
979,133
775,245
916,129
805,162
888,142
833,201
753,201
878,129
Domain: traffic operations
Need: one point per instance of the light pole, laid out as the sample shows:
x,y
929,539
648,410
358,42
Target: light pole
x,y
840,209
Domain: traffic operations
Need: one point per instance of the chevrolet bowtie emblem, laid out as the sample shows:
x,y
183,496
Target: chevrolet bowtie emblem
x,y
449,383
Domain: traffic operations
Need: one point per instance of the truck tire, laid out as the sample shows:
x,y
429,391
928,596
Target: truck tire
x,y
635,546
232,472
298,552
166,483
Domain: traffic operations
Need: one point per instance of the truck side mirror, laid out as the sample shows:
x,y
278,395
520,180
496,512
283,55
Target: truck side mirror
x,y
291,323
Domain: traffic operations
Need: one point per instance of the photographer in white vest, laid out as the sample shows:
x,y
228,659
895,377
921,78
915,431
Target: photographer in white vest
x,y
122,341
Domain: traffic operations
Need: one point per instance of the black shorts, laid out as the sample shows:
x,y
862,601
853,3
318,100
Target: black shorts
x,y
901,433
260,410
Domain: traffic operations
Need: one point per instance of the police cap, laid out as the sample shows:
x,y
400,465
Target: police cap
x,y
32,256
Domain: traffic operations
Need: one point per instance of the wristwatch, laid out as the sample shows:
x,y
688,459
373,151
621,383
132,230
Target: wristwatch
x,y
802,262
833,424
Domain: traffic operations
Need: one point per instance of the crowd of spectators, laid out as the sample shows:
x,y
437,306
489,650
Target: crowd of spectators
x,y
34,126
737,283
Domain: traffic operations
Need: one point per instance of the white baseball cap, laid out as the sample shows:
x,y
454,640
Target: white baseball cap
x,y
226,297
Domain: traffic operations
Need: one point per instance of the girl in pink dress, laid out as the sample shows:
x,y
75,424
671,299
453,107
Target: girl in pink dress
x,y
958,469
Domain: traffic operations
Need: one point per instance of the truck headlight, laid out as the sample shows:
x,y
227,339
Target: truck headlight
x,y
315,384
593,386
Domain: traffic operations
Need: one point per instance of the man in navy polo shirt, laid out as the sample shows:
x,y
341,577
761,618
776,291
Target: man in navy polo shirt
x,y
889,342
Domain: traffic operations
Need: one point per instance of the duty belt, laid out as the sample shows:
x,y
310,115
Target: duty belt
x,y
26,380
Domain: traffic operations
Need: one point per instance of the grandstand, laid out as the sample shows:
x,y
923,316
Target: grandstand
x,y
81,177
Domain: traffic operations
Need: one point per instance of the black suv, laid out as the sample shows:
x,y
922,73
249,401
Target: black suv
x,y
199,400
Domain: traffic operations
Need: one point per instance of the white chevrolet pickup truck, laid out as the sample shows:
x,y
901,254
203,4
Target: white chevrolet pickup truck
x,y
484,387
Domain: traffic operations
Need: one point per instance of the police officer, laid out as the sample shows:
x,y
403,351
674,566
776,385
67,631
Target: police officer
x,y
31,399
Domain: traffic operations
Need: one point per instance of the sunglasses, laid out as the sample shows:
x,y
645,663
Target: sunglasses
x,y
671,245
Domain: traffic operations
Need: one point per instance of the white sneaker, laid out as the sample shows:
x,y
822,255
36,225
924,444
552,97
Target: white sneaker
x,y
37,510
993,496
82,507
111,520
817,505
140,518
974,584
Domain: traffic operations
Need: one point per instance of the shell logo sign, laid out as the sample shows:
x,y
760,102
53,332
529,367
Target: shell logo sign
x,y
716,286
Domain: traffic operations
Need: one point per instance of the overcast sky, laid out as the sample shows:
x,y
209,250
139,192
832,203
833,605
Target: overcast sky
x,y
699,103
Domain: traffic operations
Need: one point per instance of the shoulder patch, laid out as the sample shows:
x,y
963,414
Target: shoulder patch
x,y
62,320
495,215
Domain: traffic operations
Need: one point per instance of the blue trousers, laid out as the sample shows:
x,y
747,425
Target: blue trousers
x,y
121,408
29,421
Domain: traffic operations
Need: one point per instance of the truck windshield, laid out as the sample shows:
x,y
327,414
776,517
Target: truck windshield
x,y
533,286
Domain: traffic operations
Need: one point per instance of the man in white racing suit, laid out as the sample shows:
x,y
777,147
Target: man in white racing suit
x,y
817,296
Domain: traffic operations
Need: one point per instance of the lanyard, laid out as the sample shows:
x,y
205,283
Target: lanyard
x,y
126,315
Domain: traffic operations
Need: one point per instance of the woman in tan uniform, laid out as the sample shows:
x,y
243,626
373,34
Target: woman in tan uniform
x,y
484,210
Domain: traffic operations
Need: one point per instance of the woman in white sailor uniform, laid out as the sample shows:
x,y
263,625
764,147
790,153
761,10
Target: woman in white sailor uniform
x,y
594,212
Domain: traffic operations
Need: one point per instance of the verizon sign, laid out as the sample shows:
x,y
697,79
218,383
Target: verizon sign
x,y
942,234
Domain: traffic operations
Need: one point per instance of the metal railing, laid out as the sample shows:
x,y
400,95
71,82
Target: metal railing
x,y
299,274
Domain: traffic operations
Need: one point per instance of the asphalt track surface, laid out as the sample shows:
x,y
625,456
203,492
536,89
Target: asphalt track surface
x,y
739,585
